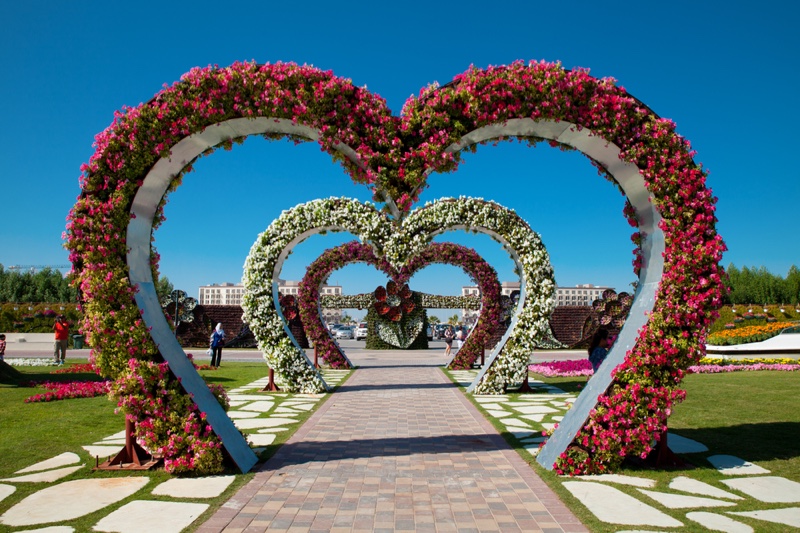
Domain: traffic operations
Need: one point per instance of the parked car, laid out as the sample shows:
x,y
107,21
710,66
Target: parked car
x,y
430,333
361,331
344,332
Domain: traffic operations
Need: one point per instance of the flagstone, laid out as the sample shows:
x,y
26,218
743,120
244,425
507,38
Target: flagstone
x,y
261,407
694,486
106,442
525,434
302,407
200,487
285,411
51,529
248,397
733,466
261,439
681,501
490,398
615,507
117,435
789,516
64,459
72,499
44,477
495,407
716,522
261,422
534,409
272,430
770,489
102,451
238,403
622,479
515,422
548,426
6,491
534,418
679,444
164,517
497,414
243,414
532,449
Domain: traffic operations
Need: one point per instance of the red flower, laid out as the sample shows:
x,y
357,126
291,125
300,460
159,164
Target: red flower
x,y
393,301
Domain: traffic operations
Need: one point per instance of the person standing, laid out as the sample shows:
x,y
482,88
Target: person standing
x,y
598,349
217,341
448,340
460,336
61,330
2,347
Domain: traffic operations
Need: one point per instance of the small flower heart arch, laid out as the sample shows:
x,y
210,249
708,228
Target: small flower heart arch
x,y
144,153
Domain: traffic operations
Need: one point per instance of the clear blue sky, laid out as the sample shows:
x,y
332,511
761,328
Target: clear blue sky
x,y
726,72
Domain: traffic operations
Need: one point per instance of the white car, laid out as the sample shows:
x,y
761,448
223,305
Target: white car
x,y
361,331
345,332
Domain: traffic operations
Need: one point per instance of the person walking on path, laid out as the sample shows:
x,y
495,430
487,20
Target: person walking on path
x,y
217,341
61,329
448,341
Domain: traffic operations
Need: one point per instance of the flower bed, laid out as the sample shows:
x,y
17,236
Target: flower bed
x,y
68,390
747,334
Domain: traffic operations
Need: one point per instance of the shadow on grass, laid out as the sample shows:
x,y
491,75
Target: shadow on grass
x,y
752,442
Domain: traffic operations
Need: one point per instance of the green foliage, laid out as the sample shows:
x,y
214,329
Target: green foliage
x,y
46,285
37,318
164,287
759,286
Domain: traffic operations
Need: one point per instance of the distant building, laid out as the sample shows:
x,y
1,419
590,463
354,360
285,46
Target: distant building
x,y
231,294
579,295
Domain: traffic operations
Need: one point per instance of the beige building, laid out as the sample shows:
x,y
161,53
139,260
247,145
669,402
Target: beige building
x,y
231,293
565,296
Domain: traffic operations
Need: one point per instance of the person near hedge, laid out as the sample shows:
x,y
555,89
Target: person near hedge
x,y
598,348
217,341
2,347
448,341
61,330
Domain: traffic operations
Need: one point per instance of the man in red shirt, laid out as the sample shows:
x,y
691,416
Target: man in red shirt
x,y
61,329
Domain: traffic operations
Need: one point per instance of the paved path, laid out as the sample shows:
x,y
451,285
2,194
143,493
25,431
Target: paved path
x,y
397,447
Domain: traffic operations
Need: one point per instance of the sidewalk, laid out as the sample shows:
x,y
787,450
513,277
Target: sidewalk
x,y
398,447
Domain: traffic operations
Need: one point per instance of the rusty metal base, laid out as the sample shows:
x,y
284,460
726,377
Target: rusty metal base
x,y
132,456
271,386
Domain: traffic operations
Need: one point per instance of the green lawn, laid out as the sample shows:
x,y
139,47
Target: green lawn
x,y
33,432
752,415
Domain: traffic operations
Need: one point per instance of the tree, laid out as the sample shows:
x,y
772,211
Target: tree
x,y
453,320
164,287
433,320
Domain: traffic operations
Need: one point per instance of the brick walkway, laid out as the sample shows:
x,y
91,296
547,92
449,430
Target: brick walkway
x,y
397,448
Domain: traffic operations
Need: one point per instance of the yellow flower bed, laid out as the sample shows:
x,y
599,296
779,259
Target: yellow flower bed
x,y
746,334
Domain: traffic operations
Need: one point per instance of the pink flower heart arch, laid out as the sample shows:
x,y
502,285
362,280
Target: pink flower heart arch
x,y
333,259
143,154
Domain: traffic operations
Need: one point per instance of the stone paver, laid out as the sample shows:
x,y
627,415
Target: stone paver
x,y
70,500
398,447
138,516
64,459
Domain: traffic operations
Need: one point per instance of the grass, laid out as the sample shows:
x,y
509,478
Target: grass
x,y
33,432
751,415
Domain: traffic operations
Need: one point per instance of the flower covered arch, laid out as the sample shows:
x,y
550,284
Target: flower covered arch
x,y
445,253
400,244
144,153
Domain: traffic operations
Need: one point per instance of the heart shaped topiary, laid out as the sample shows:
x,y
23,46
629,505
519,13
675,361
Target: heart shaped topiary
x,y
333,259
144,153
